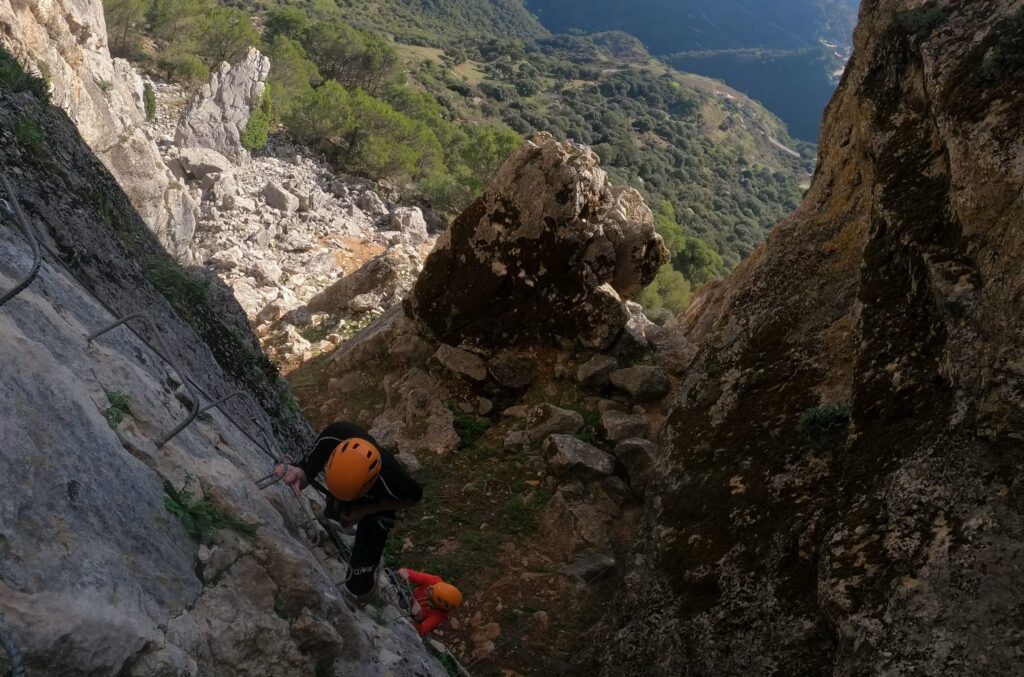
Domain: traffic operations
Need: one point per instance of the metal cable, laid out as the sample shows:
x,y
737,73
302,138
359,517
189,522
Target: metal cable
x,y
16,215
198,387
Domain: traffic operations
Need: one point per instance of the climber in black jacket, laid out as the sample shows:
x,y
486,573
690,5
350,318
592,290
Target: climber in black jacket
x,y
366,485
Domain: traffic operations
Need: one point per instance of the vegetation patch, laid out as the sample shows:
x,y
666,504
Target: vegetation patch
x,y
149,102
31,136
14,78
254,137
819,425
200,518
118,408
470,429
922,21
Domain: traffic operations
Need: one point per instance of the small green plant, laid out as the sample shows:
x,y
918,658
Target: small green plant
x,y
30,135
183,291
255,135
118,408
819,424
922,21
105,85
470,429
200,518
14,78
149,102
591,426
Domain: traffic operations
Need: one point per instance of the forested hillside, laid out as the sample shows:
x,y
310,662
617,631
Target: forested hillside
x,y
427,98
784,53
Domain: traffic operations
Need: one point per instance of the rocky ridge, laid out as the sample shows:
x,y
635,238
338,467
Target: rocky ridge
x,y
839,480
66,40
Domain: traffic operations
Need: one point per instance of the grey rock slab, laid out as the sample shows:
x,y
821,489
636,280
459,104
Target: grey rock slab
x,y
639,457
643,383
279,198
461,362
569,457
199,162
619,425
547,419
596,372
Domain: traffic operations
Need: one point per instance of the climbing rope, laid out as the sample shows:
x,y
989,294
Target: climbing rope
x,y
15,666
12,211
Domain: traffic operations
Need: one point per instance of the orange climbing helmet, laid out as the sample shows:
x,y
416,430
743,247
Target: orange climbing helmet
x,y
445,596
352,469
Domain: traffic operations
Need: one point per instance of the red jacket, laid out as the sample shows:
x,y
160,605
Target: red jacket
x,y
431,617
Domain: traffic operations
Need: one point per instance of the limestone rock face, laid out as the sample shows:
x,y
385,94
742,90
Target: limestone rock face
x,y
550,252
885,543
220,111
67,40
97,576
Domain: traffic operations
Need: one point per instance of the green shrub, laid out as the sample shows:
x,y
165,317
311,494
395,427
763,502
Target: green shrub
x,y
254,137
189,296
29,134
14,78
226,35
149,101
820,424
922,21
292,74
105,85
668,295
118,408
470,429
184,67
199,517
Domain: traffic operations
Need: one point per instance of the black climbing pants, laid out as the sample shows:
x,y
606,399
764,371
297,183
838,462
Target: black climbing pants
x,y
371,537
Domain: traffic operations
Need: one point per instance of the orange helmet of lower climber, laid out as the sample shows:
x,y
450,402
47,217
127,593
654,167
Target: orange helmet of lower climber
x,y
352,469
445,596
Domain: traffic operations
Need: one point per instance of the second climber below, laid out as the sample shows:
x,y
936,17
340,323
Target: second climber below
x,y
367,486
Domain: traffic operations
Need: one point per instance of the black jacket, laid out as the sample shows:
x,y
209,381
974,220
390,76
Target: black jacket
x,y
392,483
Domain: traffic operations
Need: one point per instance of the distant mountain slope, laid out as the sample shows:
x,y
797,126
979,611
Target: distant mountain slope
x,y
425,21
714,164
775,52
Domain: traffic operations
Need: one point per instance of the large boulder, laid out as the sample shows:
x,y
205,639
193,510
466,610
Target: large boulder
x,y
200,162
410,222
279,198
548,254
220,111
384,280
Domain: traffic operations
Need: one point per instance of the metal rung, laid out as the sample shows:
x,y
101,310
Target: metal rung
x,y
15,214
